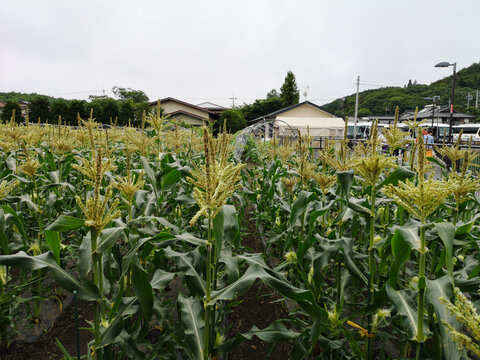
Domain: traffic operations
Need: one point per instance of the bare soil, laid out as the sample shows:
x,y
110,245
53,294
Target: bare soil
x,y
259,307
45,347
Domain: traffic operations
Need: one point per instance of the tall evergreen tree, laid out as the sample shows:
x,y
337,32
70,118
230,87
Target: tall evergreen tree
x,y
39,108
59,107
289,91
8,111
76,107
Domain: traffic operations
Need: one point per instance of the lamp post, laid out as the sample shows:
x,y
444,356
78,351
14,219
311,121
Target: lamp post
x,y
433,98
447,64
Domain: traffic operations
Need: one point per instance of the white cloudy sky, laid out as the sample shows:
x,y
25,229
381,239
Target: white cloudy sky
x,y
208,50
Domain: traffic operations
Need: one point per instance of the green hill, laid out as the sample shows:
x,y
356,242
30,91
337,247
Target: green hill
x,y
378,101
17,96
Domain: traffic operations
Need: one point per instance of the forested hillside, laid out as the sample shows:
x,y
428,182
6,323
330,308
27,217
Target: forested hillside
x,y
128,106
383,101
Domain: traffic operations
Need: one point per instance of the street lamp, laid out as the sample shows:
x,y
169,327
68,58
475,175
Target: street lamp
x,y
433,98
447,64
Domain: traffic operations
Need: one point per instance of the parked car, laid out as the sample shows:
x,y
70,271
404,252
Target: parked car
x,y
469,131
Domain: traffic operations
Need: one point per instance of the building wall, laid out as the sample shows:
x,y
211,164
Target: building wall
x,y
171,106
306,111
188,120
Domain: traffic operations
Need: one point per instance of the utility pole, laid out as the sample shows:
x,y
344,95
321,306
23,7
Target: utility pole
x,y
356,109
469,97
476,101
233,98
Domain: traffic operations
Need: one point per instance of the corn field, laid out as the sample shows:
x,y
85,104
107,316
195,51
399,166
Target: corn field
x,y
375,260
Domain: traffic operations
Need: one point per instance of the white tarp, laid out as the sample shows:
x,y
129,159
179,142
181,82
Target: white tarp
x,y
326,126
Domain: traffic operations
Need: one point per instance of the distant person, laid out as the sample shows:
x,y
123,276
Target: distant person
x,y
429,141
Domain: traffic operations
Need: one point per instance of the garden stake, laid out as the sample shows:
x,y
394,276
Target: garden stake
x,y
77,336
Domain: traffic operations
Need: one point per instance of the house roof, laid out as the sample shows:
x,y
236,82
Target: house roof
x,y
211,106
274,114
440,111
167,99
183,112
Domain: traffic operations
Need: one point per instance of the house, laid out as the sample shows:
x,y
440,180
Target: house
x,y
23,106
437,115
188,113
212,107
305,117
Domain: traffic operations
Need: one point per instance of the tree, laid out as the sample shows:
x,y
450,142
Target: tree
x,y
289,91
235,120
59,107
362,112
39,109
261,107
75,108
138,96
96,106
139,109
104,109
110,110
273,93
8,110
126,112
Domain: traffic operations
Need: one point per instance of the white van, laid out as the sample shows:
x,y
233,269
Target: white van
x,y
469,131
363,129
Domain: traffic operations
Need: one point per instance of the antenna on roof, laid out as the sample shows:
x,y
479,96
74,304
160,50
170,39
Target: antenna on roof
x,y
305,92
233,98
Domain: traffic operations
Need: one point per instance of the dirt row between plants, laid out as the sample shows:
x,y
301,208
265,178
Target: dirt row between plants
x,y
45,346
259,306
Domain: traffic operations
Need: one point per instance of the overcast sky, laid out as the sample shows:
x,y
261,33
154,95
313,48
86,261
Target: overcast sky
x,y
210,50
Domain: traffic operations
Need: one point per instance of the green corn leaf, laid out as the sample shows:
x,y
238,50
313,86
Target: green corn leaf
x,y
118,299
84,264
64,351
225,228
189,238
446,231
171,178
355,205
317,213
66,223
131,255
143,290
399,174
442,287
19,223
192,320
299,208
401,250
352,342
274,333
23,261
186,263
108,237
401,299
345,179
53,240
270,278
410,235
3,235
111,333
148,171
161,279
160,220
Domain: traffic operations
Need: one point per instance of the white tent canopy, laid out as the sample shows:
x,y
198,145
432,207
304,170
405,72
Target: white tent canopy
x,y
315,126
